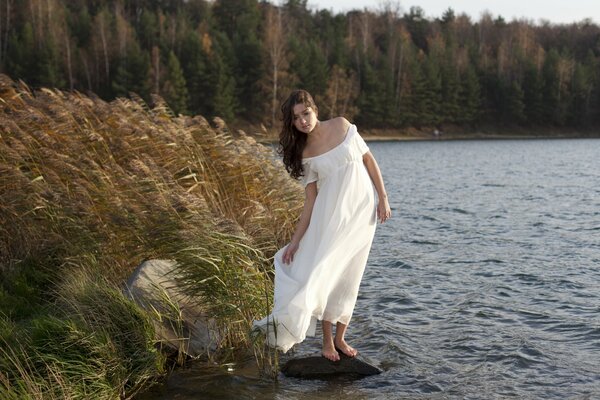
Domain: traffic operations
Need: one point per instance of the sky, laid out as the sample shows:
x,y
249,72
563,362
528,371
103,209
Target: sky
x,y
555,11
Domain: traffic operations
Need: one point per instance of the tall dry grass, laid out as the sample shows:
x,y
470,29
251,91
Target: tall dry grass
x,y
87,185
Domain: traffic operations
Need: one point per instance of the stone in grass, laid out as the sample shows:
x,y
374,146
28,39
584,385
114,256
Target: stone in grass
x,y
318,367
180,322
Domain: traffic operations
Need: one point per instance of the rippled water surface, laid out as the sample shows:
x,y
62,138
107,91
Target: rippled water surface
x,y
484,284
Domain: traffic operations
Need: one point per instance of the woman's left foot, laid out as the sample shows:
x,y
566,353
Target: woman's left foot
x,y
345,348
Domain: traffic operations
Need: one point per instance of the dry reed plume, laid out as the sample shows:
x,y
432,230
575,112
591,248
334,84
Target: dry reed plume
x,y
96,186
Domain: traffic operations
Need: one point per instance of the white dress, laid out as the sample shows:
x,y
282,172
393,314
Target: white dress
x,y
323,280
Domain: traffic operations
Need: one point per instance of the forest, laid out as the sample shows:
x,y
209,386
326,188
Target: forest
x,y
238,59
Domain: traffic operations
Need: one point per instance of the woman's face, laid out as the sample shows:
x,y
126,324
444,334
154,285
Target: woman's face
x,y
305,118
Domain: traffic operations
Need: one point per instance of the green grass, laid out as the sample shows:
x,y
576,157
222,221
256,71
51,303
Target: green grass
x,y
89,190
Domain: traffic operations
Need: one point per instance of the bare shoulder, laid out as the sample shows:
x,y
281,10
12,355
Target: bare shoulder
x,y
339,125
342,122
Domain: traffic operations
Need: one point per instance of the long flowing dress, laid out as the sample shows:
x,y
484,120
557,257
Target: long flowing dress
x,y
322,281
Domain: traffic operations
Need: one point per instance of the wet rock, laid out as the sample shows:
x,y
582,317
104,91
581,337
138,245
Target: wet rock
x,y
318,367
179,320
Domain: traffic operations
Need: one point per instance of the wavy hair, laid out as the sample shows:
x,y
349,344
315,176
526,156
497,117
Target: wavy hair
x,y
291,140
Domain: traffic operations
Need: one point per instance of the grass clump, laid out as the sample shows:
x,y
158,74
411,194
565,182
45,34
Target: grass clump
x,y
90,189
92,343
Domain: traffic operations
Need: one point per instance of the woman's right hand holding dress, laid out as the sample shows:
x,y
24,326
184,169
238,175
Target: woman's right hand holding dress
x,y
290,250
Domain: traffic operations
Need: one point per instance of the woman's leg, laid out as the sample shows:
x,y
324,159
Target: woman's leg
x,y
340,343
329,351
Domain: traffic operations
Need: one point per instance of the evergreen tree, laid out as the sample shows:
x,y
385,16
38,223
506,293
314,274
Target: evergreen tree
x,y
533,95
49,71
470,97
515,107
148,29
451,99
133,73
21,61
194,60
224,90
417,26
174,88
240,20
310,66
80,26
371,103
591,66
432,96
551,88
413,106
580,113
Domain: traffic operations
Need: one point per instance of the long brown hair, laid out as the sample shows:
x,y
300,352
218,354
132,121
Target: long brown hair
x,y
291,140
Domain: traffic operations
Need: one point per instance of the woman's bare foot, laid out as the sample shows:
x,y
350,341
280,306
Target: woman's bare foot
x,y
329,352
341,345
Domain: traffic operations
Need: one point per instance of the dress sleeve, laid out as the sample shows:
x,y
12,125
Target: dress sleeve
x,y
362,146
309,174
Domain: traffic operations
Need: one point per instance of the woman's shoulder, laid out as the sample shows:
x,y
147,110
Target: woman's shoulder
x,y
338,124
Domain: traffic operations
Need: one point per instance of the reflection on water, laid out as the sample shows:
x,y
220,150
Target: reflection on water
x,y
484,284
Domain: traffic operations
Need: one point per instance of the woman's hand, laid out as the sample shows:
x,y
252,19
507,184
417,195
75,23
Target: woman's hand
x,y
290,250
383,210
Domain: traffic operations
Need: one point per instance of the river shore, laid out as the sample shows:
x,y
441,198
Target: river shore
x,y
264,135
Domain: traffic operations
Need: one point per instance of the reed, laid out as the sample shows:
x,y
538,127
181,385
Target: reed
x,y
90,189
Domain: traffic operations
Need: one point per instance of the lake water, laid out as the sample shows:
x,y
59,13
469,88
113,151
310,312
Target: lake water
x,y
484,284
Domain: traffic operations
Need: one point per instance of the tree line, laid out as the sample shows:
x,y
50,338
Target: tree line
x,y
239,59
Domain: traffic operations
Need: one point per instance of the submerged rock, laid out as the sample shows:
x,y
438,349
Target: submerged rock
x,y
318,367
180,321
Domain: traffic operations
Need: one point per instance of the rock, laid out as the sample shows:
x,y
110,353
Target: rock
x,y
318,367
180,322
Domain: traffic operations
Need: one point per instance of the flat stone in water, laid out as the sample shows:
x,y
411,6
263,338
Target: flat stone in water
x,y
318,367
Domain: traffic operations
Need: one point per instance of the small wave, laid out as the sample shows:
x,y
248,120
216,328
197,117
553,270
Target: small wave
x,y
529,279
459,211
423,242
493,185
428,218
400,264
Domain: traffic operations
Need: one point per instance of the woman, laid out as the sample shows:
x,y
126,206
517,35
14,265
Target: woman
x,y
317,275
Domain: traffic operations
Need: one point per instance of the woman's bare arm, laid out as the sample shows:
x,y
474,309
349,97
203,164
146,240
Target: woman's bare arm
x,y
383,208
302,225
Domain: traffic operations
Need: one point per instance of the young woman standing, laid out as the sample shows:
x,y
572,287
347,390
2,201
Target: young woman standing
x,y
318,274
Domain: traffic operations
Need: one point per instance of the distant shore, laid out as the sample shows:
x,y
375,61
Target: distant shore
x,y
452,133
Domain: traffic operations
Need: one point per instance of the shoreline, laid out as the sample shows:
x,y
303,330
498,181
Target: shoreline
x,y
450,137
447,133
445,138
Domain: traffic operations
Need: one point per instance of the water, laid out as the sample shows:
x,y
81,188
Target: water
x,y
484,284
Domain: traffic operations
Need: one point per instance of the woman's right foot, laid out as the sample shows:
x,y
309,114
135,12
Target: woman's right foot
x,y
330,353
345,348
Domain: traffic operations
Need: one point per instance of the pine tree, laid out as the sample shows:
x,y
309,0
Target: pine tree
x,y
515,107
413,106
310,66
579,110
470,97
194,60
147,29
432,97
551,88
21,62
50,72
174,89
371,101
240,20
533,95
451,101
224,100
132,73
